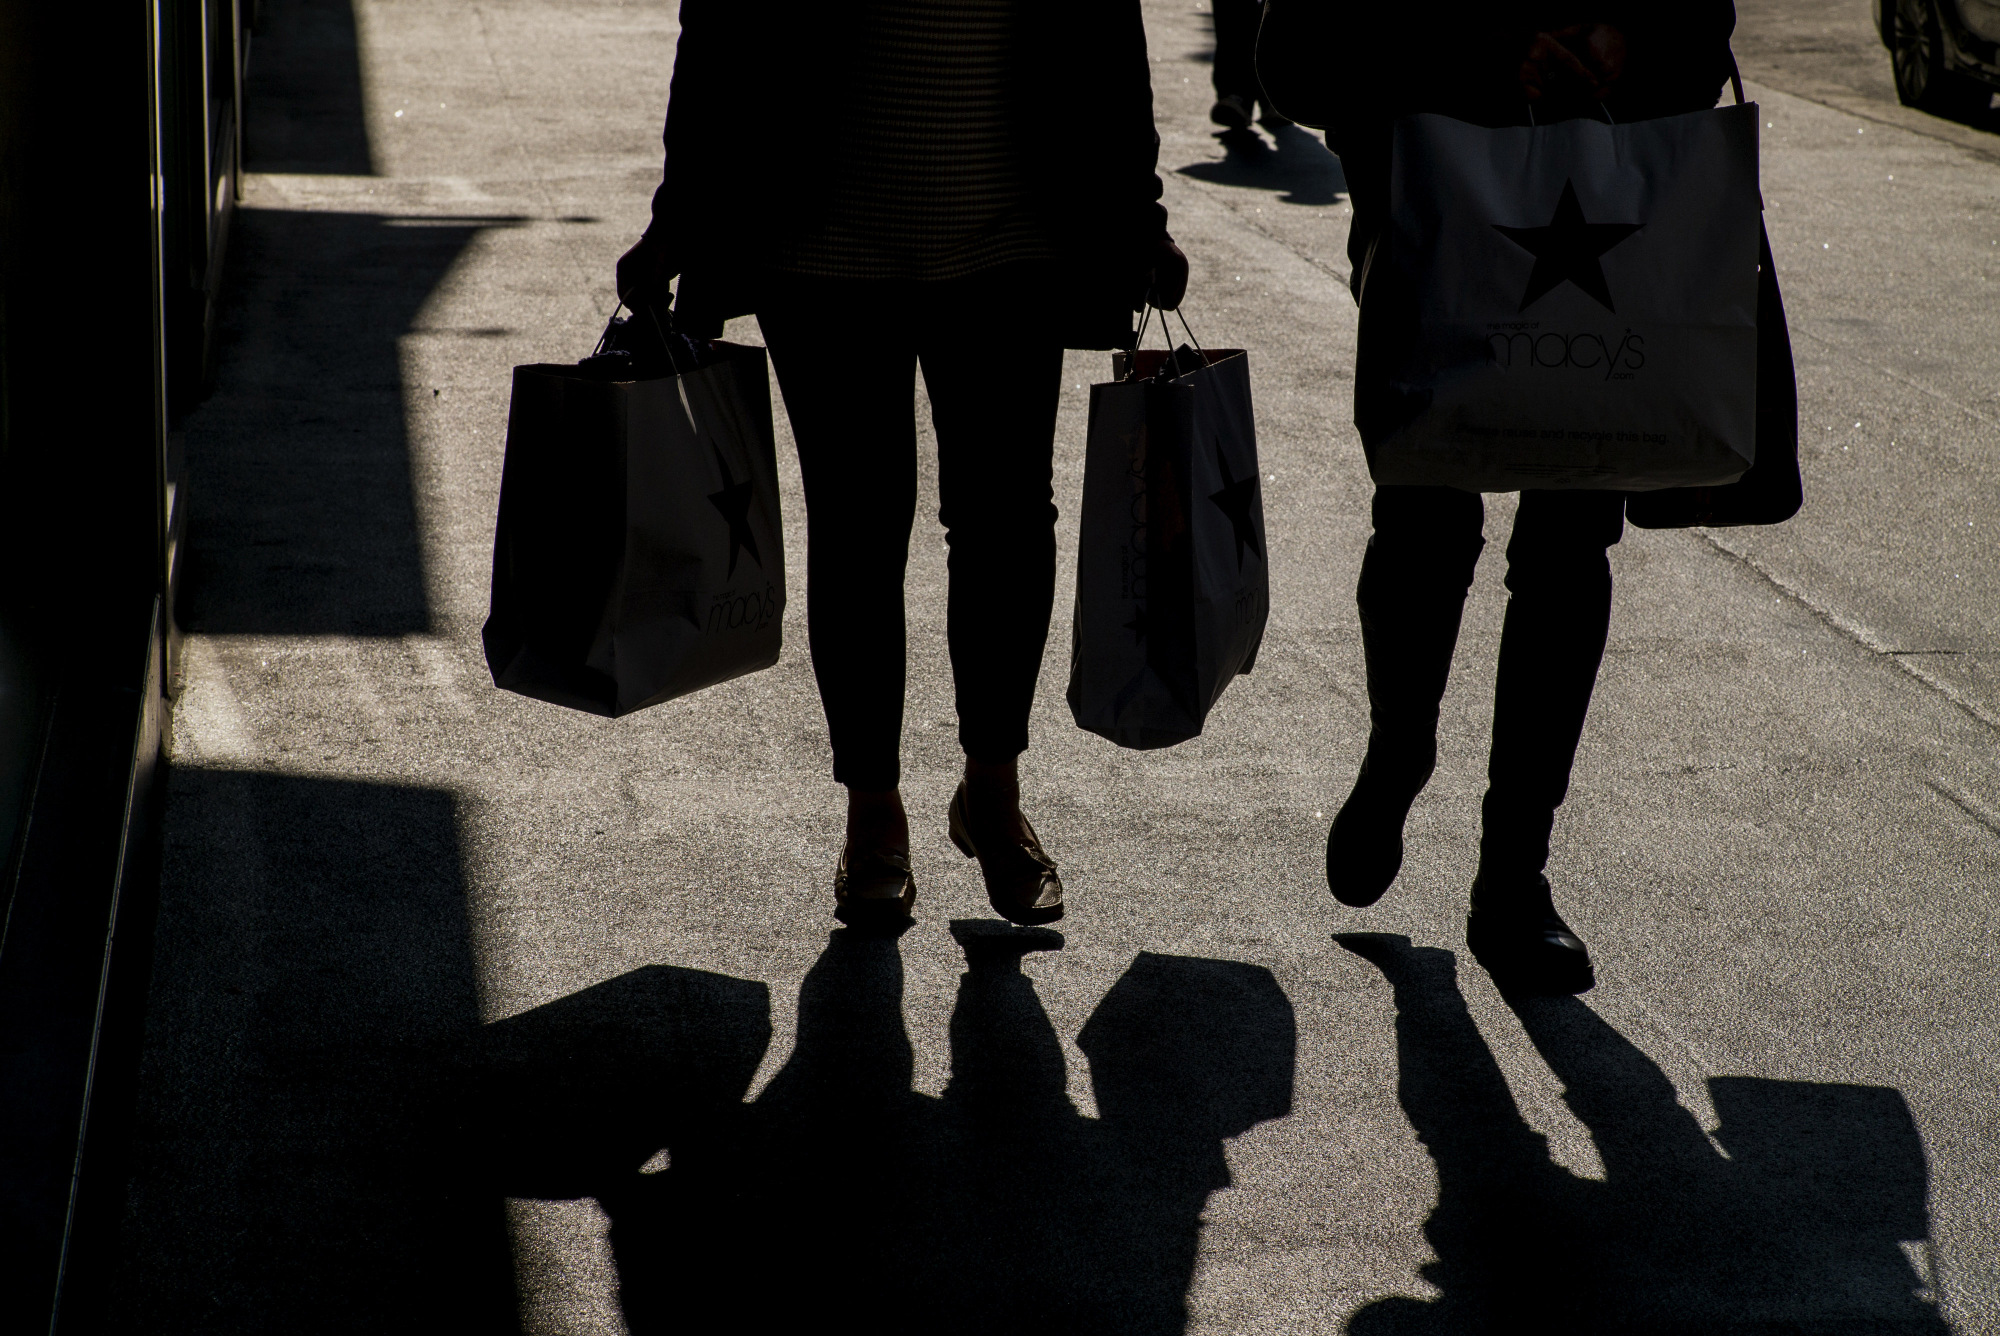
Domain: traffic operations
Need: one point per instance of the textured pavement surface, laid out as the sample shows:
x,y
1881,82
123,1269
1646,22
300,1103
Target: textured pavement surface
x,y
471,1013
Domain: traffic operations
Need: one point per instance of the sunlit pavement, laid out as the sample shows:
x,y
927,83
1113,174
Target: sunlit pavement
x,y
471,1011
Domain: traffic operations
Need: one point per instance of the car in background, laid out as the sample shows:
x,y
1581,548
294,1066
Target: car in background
x,y
1945,53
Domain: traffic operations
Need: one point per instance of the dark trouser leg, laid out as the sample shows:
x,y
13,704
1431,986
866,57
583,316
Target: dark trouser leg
x,y
1559,575
1235,68
849,389
996,439
1413,582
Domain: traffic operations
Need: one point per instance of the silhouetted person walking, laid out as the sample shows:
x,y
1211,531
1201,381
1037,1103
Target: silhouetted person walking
x,y
1235,72
895,183
1354,67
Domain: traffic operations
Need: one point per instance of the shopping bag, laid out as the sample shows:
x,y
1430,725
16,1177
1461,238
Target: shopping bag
x,y
639,553
1172,581
1567,305
1770,490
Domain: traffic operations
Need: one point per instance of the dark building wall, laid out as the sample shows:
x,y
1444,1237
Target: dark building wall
x,y
118,147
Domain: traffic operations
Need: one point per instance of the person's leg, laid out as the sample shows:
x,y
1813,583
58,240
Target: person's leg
x,y
1238,91
994,410
996,437
1414,579
849,391
1559,579
1235,68
1558,613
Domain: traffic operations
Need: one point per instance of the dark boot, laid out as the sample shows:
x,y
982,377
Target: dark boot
x,y
1411,597
1516,934
1364,847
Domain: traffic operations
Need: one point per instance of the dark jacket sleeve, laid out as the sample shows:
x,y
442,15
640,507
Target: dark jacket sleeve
x,y
1295,43
696,178
1140,213
1680,58
1106,84
1326,63
1351,67
1340,64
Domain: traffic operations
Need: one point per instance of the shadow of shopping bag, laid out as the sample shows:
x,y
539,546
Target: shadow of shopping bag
x,y
1172,584
639,553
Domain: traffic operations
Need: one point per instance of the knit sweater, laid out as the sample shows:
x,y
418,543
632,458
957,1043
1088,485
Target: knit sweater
x,y
928,184
765,104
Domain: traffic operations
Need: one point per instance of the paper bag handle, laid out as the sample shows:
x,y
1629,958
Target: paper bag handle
x,y
1139,335
666,344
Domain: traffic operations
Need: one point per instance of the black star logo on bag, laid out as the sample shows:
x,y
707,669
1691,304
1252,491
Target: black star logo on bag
x,y
734,503
1235,500
1567,250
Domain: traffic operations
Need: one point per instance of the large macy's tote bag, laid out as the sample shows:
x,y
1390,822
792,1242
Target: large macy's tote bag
x,y
1570,305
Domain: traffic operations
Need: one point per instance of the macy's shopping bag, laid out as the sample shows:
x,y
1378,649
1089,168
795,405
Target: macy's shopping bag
x,y
639,554
1172,585
1567,305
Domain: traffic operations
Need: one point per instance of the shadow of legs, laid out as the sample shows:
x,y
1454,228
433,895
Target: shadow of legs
x,y
1498,1225
1799,1230
1558,614
1803,1221
834,1158
1015,1208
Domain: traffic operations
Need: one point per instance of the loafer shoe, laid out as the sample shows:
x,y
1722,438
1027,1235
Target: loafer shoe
x,y
1021,880
874,889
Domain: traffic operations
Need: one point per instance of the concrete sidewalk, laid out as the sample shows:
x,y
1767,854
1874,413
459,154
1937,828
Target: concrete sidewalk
x,y
447,979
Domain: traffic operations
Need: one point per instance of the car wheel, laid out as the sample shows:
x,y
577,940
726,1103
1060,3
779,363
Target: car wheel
x,y
1917,56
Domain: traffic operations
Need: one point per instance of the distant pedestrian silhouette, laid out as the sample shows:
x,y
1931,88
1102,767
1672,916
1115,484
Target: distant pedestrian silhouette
x,y
1237,92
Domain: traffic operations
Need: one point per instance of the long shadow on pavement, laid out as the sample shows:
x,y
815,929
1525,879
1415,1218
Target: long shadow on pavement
x,y
1293,162
841,1199
1798,1230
